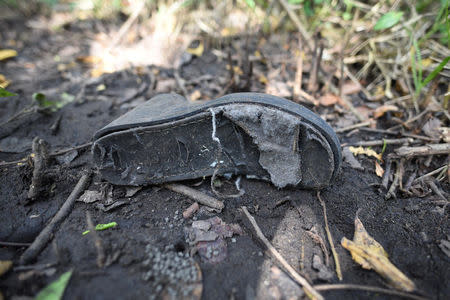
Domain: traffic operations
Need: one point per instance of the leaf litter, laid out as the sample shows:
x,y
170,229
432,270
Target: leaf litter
x,y
367,252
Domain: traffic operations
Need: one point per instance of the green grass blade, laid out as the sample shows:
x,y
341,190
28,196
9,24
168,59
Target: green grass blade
x,y
436,71
5,93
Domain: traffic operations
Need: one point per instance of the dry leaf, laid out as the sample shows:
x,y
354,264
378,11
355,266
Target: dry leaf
x,y
378,169
445,134
350,87
7,53
371,255
195,95
3,81
381,110
89,59
329,99
431,128
365,151
263,79
198,51
5,265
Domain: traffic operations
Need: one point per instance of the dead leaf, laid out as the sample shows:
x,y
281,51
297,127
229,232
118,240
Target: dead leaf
x,y
5,265
381,110
197,51
350,158
7,53
329,99
3,81
263,79
378,169
445,134
431,128
89,59
195,95
91,196
350,88
371,255
365,151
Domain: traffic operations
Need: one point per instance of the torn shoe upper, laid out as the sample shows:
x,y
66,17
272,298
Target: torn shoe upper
x,y
168,139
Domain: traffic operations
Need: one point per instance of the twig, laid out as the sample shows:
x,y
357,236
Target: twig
x,y
14,244
298,73
387,173
317,57
64,151
40,160
430,149
195,195
351,127
309,290
436,190
180,82
97,241
298,23
56,153
190,210
47,233
318,239
126,26
418,179
367,288
330,238
383,142
414,136
391,191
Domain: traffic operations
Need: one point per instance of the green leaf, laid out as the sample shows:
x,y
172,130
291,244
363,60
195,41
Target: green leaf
x,y
5,93
388,20
43,102
55,290
250,3
436,71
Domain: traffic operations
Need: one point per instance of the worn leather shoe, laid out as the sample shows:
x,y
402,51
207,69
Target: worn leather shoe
x,y
169,138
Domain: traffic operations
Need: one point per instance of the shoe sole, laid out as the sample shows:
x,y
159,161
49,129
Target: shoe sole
x,y
262,136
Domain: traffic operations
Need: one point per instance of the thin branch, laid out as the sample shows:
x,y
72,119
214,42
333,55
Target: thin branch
x,y
330,238
309,290
47,233
195,195
367,288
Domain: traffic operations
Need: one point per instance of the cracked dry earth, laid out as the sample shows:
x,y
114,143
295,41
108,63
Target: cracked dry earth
x,y
152,232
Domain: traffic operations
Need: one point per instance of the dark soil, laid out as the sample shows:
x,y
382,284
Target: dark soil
x,y
410,229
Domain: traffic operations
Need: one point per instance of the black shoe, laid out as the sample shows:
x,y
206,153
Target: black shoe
x,y
168,139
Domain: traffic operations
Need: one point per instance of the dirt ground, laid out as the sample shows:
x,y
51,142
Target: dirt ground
x,y
409,228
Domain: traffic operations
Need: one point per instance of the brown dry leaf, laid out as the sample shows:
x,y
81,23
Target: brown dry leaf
x,y
350,87
3,81
378,169
198,51
7,53
381,110
371,255
195,95
365,151
263,79
5,265
329,99
431,128
89,59
445,134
